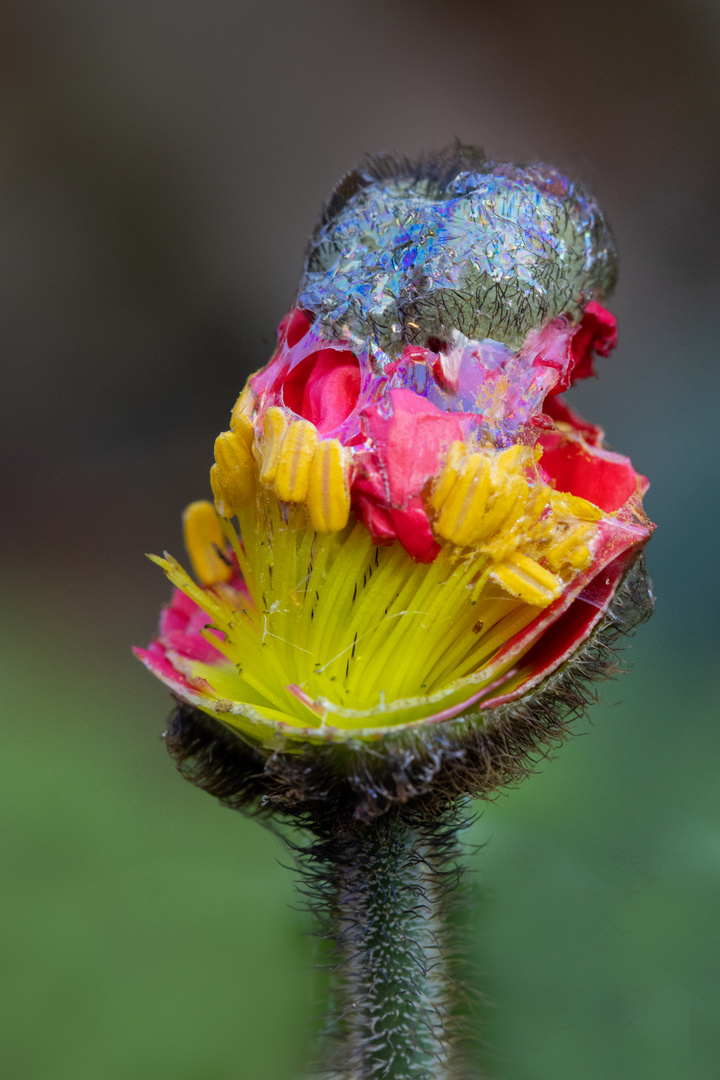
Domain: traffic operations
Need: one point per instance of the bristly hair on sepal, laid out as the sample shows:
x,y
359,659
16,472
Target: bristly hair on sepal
x,y
427,767
439,168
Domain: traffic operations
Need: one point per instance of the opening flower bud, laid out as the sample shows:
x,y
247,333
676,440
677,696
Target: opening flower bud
x,y
418,535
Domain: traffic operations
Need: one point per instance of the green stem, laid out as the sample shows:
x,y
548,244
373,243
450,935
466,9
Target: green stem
x,y
387,886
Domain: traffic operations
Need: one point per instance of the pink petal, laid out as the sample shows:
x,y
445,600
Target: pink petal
x,y
324,388
410,436
293,327
600,476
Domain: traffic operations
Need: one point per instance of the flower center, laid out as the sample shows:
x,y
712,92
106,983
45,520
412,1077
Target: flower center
x,y
329,628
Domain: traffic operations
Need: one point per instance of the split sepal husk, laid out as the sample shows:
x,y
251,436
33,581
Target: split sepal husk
x,y
434,763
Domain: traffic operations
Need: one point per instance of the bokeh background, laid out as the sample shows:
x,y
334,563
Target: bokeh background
x,y
161,163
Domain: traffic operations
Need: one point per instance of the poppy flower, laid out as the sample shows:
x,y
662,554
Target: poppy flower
x,y
417,558
413,534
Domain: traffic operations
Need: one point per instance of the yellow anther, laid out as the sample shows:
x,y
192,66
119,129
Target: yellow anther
x,y
444,482
274,427
493,499
580,557
512,460
525,524
204,540
571,549
565,505
462,511
243,408
523,577
296,453
233,475
328,495
242,428
509,491
505,508
538,503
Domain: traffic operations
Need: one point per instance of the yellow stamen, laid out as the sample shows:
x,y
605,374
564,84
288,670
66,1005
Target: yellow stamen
x,y
274,427
507,505
523,577
364,631
489,500
510,460
444,482
571,549
328,494
233,475
204,541
296,455
573,506
462,512
243,408
523,524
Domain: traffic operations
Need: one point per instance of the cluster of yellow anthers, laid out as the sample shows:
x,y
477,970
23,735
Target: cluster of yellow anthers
x,y
292,460
485,500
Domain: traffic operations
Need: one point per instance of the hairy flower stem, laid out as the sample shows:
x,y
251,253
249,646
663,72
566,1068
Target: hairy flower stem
x,y
386,887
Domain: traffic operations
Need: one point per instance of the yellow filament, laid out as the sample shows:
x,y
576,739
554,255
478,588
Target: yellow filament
x,y
296,454
204,540
328,493
233,475
274,427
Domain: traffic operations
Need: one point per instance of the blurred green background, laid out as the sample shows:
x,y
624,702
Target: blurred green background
x,y
161,163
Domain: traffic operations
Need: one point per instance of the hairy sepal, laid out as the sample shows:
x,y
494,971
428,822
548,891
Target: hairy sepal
x,y
432,764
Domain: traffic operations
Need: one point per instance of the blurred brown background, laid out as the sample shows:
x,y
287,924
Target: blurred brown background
x,y
161,163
